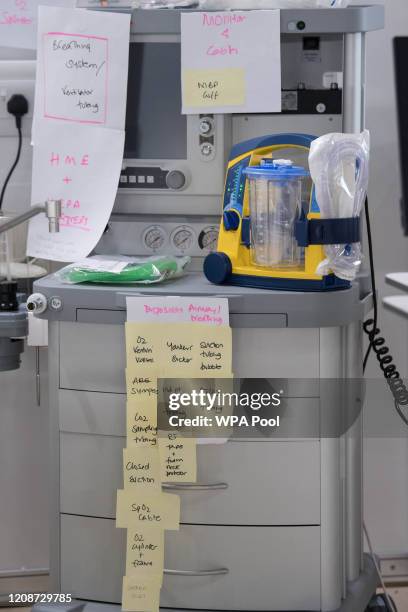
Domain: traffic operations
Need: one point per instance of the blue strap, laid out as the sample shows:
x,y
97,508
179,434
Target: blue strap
x,y
246,231
327,231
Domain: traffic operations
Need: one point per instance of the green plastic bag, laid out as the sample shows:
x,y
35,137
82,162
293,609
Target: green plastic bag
x,y
120,270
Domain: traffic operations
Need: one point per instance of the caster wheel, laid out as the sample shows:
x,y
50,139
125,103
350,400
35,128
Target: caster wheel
x,y
379,604
217,267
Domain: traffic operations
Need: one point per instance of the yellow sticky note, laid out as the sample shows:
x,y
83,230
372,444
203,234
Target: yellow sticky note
x,y
178,458
142,346
177,348
141,386
141,468
141,594
144,551
134,508
213,350
214,87
141,423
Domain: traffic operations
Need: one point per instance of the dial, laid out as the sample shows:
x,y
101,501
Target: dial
x,y
206,126
207,149
175,179
208,238
154,237
183,238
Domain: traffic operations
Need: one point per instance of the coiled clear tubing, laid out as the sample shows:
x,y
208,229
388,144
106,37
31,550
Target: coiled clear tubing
x,y
339,167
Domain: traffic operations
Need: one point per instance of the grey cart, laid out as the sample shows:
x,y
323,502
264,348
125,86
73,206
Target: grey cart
x,y
276,524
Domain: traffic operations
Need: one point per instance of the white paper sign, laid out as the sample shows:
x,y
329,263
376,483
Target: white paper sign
x,y
169,309
82,67
231,62
18,21
81,167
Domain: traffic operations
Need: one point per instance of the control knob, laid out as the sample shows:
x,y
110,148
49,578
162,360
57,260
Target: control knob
x,y
206,127
175,179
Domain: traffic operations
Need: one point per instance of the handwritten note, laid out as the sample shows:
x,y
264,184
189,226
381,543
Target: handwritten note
x,y
83,67
160,510
144,551
169,309
141,423
165,336
178,458
141,468
167,348
222,87
82,170
141,387
19,20
140,594
231,62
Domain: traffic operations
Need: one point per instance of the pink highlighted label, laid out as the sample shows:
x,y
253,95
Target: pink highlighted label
x,y
201,310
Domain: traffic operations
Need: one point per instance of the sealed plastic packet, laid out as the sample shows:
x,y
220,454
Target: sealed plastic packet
x,y
121,270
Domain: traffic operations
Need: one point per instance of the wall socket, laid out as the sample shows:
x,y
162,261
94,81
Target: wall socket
x,y
16,77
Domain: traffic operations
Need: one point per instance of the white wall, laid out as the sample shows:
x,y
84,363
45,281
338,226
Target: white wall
x,y
23,425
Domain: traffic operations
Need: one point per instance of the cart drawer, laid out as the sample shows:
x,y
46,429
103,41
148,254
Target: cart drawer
x,y
266,483
269,568
105,414
92,356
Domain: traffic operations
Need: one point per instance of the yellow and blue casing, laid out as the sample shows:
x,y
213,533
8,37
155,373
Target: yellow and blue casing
x,y
232,263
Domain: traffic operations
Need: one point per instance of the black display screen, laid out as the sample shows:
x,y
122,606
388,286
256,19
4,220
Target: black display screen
x,y
155,127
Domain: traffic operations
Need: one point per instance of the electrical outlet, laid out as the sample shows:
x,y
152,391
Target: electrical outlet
x,y
16,77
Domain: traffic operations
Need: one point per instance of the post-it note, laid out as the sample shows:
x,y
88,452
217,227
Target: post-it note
x,y
213,350
230,62
140,387
134,508
144,551
178,458
175,348
141,468
141,593
209,88
141,423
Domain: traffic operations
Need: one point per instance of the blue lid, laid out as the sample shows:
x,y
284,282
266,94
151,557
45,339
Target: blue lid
x,y
275,170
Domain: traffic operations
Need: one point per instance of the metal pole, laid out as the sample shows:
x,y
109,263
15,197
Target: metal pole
x,y
353,122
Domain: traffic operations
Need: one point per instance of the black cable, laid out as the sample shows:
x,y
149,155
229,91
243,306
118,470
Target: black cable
x,y
18,107
377,342
13,167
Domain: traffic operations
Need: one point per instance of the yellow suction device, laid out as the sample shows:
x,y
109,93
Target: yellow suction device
x,y
271,235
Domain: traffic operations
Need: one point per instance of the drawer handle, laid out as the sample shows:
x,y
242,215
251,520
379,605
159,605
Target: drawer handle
x,y
222,571
218,486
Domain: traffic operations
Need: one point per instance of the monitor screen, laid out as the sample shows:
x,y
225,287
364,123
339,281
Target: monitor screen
x,y
401,77
155,127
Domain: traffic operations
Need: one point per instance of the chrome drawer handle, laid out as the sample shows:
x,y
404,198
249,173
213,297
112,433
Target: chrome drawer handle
x,y
222,571
218,486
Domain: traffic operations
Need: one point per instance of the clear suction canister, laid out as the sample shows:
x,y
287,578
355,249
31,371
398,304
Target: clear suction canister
x,y
275,201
